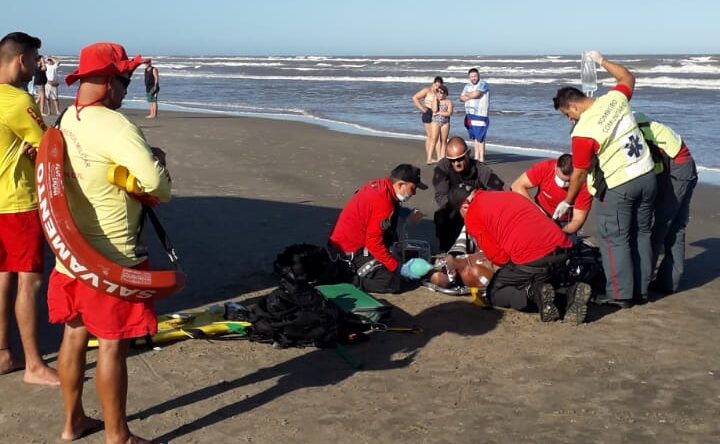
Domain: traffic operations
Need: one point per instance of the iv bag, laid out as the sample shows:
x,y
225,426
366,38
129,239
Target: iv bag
x,y
588,75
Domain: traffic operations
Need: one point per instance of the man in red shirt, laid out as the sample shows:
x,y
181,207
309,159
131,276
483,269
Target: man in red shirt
x,y
528,249
367,228
552,179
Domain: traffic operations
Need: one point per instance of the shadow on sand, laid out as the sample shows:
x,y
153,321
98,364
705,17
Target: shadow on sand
x,y
323,367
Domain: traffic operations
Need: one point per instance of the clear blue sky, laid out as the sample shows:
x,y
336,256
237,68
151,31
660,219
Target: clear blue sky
x,y
370,27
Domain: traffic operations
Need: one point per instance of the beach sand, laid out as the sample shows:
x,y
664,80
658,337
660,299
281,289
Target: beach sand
x,y
245,188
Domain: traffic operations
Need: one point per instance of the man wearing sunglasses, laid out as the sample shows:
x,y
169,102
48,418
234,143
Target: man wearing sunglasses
x,y
454,178
98,137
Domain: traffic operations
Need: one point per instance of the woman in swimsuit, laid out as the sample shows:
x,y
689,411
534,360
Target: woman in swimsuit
x,y
440,127
429,100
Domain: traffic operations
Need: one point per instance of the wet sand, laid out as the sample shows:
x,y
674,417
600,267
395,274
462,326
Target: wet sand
x,y
245,188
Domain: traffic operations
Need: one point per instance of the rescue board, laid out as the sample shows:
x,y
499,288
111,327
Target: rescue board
x,y
189,325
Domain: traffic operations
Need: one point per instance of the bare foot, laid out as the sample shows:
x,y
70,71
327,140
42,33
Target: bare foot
x,y
8,364
137,440
41,375
82,427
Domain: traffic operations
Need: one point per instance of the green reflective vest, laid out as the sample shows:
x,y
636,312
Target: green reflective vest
x,y
623,153
659,137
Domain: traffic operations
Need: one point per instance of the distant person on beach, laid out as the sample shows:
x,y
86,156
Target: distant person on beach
x,y
454,178
51,88
98,137
440,128
425,101
552,179
527,251
611,157
476,97
367,228
677,176
40,80
21,237
152,88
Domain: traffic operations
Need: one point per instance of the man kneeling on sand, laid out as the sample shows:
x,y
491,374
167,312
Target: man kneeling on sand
x,y
367,228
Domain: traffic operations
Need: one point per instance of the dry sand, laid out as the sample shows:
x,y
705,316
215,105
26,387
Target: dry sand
x,y
245,188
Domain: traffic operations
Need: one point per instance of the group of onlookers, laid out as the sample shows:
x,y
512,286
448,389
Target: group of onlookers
x,y
45,85
436,109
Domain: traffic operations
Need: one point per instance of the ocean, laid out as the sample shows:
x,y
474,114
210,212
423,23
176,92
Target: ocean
x,y
373,95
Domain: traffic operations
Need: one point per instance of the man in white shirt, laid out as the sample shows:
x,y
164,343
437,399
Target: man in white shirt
x,y
476,97
51,87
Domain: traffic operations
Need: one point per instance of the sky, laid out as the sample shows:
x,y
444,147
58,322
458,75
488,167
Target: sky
x,y
371,27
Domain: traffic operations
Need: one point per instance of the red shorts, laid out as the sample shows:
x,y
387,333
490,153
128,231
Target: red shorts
x,y
21,242
105,317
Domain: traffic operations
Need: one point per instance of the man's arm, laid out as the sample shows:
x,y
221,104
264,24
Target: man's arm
x,y
28,127
578,220
130,150
441,183
156,78
464,97
619,72
374,237
577,181
487,178
522,186
419,96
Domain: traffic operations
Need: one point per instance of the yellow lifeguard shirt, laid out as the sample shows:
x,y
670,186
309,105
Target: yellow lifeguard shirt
x,y
20,123
105,214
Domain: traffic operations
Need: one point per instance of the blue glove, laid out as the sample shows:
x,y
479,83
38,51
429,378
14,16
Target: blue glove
x,y
415,268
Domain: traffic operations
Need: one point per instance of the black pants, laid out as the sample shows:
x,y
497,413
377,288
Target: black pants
x,y
448,224
509,287
379,279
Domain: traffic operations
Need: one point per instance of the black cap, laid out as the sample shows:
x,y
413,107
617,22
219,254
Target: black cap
x,y
408,173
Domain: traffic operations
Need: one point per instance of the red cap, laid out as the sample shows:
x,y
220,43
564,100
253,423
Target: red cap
x,y
104,59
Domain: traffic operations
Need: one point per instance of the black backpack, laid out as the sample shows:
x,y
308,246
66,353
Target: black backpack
x,y
296,314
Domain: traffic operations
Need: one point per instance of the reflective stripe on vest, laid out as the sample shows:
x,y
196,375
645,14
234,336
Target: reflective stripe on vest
x,y
623,154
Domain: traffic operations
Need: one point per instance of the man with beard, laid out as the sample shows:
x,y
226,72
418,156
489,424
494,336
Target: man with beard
x,y
21,238
367,228
455,177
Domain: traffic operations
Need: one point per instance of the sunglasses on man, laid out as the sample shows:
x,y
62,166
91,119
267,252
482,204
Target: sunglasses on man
x,y
124,80
457,159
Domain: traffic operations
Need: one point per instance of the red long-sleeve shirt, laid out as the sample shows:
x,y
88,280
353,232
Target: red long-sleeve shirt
x,y
510,228
365,219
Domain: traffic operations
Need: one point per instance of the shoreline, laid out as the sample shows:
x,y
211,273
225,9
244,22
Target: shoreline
x,y
706,175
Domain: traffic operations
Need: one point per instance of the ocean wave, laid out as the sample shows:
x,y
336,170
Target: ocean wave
x,y
685,68
379,79
174,66
513,70
229,63
672,83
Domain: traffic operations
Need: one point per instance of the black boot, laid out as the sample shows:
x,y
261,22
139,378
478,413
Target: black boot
x,y
577,300
544,297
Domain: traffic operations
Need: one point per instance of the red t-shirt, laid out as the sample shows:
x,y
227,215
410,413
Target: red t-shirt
x,y
550,194
363,221
508,227
583,148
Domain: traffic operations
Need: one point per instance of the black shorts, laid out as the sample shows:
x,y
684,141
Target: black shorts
x,y
427,116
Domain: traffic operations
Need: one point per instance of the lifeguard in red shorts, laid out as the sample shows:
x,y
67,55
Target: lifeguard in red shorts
x,y
98,137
